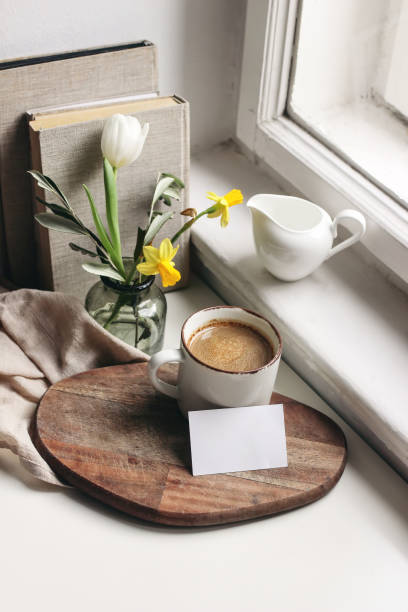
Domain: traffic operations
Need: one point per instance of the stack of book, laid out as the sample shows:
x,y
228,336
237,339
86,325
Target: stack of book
x,y
59,135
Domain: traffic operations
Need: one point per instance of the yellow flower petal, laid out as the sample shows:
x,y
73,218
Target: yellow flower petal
x,y
147,268
166,250
151,254
225,216
169,275
212,196
158,261
231,198
234,197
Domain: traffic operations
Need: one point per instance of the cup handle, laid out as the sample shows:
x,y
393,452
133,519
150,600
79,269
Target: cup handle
x,y
157,360
347,214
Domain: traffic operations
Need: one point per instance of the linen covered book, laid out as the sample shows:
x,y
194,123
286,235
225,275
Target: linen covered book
x,y
66,147
56,80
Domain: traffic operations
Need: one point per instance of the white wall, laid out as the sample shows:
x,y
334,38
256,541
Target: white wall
x,y
199,43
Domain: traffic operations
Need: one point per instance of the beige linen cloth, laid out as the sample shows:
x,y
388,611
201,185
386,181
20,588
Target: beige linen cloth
x,y
45,337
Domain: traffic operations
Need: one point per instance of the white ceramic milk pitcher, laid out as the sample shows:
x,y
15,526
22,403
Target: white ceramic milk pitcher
x,y
294,236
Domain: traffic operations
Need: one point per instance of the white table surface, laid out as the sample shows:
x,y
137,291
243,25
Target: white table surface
x,y
60,550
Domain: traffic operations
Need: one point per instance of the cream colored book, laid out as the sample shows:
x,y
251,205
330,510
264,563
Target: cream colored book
x,y
77,77
66,146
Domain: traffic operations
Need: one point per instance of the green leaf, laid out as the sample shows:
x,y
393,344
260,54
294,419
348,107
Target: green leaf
x,y
103,256
156,225
102,233
111,198
102,270
145,334
172,192
176,180
166,200
95,238
45,182
57,209
139,243
61,224
161,187
103,236
76,247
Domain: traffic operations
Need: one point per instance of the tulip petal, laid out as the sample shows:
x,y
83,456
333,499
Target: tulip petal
x,y
140,143
123,139
109,137
128,138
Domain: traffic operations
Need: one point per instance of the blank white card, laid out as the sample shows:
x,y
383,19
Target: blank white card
x,y
237,439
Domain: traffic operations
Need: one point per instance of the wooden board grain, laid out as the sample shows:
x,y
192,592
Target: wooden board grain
x,y
110,434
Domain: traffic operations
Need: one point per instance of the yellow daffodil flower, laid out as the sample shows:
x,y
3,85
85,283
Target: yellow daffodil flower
x,y
223,203
159,261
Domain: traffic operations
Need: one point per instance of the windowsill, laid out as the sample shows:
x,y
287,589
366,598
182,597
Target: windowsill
x,y
343,327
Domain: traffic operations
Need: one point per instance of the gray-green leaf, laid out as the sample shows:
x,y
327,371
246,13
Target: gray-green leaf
x,y
172,192
79,249
176,180
156,226
166,200
55,222
57,209
161,187
102,270
48,184
139,243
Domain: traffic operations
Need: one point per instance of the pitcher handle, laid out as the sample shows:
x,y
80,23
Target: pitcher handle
x,y
347,214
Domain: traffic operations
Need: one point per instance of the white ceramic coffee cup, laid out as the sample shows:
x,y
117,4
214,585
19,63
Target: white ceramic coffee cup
x,y
200,386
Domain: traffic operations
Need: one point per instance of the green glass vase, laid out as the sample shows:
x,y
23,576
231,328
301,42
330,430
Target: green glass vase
x,y
134,313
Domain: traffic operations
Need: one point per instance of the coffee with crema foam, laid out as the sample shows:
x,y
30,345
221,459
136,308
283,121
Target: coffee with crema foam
x,y
230,346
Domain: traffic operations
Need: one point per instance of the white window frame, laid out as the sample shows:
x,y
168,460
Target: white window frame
x,y
302,160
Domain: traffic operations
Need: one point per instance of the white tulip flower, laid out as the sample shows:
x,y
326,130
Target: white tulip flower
x,y
122,139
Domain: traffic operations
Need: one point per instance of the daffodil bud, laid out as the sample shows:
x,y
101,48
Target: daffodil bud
x,y
122,139
189,212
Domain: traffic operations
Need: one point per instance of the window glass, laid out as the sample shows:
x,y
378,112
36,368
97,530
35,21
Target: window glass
x,y
349,84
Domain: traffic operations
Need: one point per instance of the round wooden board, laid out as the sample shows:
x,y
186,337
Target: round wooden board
x,y
108,433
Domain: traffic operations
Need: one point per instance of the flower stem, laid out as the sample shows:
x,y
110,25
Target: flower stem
x,y
132,271
187,225
111,198
177,235
115,311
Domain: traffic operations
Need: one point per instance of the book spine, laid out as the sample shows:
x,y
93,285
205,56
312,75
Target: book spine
x,y
3,251
42,241
185,151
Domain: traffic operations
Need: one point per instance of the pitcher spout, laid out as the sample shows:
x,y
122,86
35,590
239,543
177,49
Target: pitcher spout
x,y
261,203
289,214
271,209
